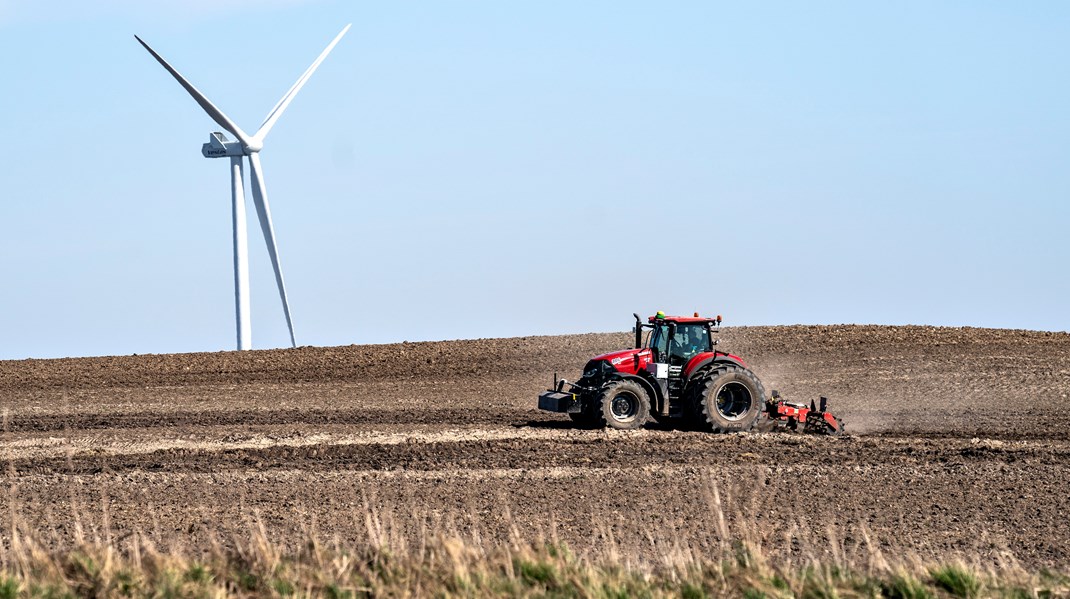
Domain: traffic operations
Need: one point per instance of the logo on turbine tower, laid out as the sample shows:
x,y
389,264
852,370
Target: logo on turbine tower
x,y
219,146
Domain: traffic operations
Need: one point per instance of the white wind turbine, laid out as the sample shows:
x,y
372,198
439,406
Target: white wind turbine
x,y
219,146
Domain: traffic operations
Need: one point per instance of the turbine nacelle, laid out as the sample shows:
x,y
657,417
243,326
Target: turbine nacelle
x,y
219,146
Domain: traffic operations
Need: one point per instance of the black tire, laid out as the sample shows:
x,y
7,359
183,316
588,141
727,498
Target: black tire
x,y
728,399
624,405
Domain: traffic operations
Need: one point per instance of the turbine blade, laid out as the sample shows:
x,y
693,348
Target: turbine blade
x,y
281,105
263,212
217,115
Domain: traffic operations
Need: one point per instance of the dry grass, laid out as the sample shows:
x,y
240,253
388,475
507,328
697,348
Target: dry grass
x,y
453,567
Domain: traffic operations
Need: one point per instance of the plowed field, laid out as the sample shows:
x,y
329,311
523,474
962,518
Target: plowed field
x,y
957,445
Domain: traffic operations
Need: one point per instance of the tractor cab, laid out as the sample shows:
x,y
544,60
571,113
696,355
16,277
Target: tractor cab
x,y
675,343
674,340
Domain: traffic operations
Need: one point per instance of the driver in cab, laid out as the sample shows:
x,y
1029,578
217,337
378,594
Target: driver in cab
x,y
687,343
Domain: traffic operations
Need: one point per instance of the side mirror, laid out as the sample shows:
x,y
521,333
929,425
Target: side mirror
x,y
672,330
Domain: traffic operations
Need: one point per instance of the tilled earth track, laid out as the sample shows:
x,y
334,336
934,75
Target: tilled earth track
x,y
958,444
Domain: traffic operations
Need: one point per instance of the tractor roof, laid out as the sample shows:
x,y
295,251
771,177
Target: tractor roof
x,y
683,319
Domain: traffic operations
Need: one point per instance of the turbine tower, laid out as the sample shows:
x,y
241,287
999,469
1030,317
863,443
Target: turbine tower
x,y
220,146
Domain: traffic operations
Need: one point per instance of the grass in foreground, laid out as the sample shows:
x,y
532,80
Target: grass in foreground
x,y
452,568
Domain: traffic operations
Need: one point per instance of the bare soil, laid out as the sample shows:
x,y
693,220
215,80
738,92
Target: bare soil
x,y
957,445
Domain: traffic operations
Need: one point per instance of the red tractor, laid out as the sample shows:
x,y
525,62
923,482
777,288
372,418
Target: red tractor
x,y
678,377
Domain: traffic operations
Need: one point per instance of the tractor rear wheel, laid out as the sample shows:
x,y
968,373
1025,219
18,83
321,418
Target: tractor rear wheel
x,y
625,405
728,399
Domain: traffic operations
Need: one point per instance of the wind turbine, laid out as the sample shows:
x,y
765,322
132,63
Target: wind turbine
x,y
219,146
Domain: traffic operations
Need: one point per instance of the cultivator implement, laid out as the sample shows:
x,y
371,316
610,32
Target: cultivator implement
x,y
814,419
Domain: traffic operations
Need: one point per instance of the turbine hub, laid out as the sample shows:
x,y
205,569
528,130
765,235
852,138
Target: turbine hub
x,y
254,146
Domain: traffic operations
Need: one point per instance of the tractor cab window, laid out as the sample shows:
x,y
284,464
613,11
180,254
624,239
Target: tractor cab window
x,y
659,342
689,340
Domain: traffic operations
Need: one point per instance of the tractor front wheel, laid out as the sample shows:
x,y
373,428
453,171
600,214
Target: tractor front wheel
x,y
625,405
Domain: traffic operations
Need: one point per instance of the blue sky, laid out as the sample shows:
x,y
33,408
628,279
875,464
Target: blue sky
x,y
486,169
